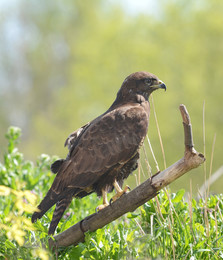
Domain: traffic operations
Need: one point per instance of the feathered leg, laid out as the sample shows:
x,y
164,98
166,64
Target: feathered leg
x,y
61,206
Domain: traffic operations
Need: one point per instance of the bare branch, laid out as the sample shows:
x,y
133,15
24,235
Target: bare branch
x,y
137,197
188,138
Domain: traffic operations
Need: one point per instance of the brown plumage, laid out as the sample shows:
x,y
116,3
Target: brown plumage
x,y
103,152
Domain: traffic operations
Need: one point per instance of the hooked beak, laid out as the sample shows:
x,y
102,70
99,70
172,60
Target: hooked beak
x,y
161,85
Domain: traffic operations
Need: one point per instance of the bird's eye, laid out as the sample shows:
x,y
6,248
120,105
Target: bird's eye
x,y
148,81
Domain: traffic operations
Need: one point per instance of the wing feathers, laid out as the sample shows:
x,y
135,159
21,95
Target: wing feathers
x,y
106,143
109,140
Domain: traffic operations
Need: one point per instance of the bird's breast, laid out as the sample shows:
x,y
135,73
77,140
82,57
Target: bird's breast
x,y
146,107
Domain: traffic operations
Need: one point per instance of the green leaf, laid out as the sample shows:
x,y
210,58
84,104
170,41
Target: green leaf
x,y
132,215
179,196
194,203
9,244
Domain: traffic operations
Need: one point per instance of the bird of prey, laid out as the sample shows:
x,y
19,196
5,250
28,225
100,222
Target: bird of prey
x,y
103,152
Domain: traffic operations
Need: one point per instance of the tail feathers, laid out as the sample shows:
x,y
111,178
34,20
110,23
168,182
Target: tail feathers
x,y
56,165
50,199
61,206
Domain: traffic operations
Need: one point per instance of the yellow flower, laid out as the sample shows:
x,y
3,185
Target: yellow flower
x,y
17,234
4,191
30,196
22,206
41,253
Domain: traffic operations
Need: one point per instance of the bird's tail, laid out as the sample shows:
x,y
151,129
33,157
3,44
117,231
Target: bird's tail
x,y
61,206
50,199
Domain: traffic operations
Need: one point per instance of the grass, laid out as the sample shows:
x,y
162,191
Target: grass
x,y
171,226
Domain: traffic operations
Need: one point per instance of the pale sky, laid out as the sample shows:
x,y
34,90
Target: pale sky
x,y
137,6
132,6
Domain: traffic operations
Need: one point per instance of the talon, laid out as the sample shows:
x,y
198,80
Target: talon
x,y
110,201
127,188
119,191
100,207
117,196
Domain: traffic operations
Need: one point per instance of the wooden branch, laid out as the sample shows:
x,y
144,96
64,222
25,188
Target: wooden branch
x,y
137,197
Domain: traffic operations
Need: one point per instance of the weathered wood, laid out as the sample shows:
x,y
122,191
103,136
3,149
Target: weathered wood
x,y
137,197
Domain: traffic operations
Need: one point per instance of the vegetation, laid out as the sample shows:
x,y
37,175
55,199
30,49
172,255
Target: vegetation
x,y
62,63
171,226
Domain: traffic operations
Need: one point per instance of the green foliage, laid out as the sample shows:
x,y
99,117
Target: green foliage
x,y
17,200
77,53
184,229
165,227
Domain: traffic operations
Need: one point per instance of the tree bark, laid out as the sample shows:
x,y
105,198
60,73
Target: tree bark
x,y
137,197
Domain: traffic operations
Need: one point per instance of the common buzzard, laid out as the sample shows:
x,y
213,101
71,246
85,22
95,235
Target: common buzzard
x,y
103,152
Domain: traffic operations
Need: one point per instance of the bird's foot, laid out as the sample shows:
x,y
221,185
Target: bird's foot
x,y
105,201
100,207
119,194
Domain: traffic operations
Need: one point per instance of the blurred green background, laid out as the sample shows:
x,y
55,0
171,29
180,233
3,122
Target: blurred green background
x,y
62,63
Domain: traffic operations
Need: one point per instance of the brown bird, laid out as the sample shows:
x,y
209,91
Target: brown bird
x,y
103,152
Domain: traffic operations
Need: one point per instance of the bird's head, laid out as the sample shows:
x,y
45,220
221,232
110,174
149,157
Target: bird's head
x,y
140,83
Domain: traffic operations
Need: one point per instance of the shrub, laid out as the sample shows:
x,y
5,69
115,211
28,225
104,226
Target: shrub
x,y
167,227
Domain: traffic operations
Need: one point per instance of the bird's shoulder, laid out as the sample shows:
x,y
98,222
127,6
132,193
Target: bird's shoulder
x,y
73,137
117,118
123,121
128,121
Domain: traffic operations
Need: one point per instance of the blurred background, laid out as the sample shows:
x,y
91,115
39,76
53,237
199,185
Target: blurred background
x,y
62,63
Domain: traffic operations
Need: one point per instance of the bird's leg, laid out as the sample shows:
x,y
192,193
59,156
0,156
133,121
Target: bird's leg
x,y
119,191
105,201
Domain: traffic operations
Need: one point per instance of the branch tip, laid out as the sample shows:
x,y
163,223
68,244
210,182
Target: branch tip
x,y
184,114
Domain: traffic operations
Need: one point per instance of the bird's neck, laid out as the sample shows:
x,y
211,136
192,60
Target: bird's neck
x,y
133,98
